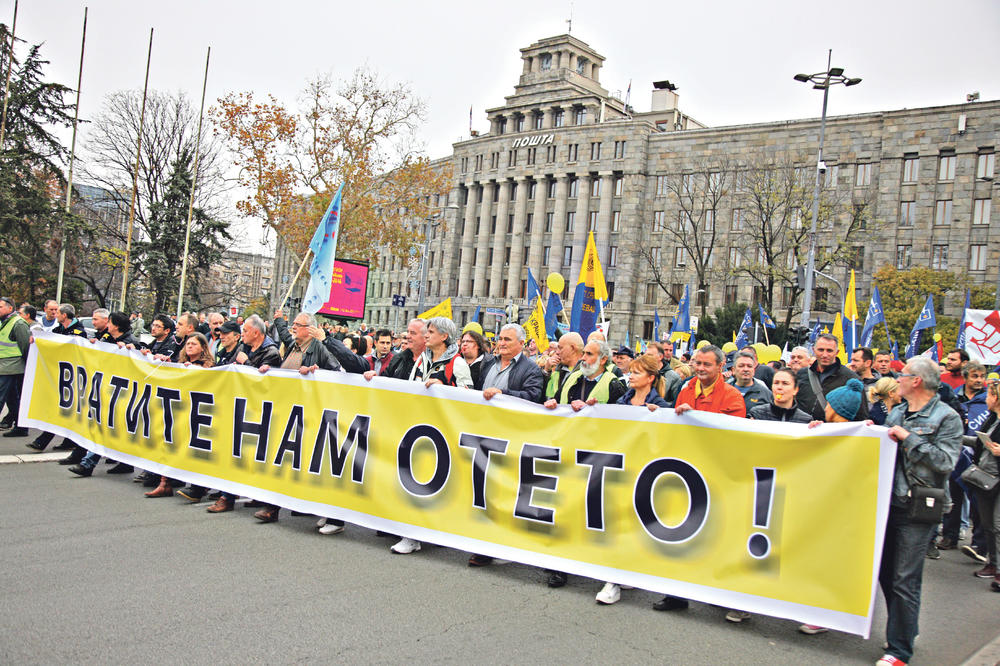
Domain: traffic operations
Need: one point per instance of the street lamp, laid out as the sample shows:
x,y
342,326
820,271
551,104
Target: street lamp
x,y
432,220
821,81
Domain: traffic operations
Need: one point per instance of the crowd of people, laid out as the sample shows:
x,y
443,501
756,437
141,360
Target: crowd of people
x,y
944,419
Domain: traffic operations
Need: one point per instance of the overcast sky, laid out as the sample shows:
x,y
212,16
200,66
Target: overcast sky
x,y
732,61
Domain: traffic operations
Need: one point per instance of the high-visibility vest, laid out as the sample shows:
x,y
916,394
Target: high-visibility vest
x,y
8,346
602,391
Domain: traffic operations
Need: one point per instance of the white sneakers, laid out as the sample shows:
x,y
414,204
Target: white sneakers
x,y
738,616
331,528
609,594
812,629
406,546
321,522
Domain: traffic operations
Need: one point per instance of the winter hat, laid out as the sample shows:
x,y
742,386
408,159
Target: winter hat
x,y
846,400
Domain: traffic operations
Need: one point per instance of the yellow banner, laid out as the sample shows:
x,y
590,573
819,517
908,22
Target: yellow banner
x,y
746,514
442,309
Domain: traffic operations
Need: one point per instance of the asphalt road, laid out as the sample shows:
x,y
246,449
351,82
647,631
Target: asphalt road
x,y
96,573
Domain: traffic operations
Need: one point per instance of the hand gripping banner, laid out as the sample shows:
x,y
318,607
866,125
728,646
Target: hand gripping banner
x,y
766,517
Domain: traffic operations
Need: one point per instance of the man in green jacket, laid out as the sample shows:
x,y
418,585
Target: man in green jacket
x,y
14,339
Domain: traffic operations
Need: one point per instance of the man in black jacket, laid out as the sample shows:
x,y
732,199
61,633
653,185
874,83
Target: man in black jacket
x,y
828,373
511,372
401,366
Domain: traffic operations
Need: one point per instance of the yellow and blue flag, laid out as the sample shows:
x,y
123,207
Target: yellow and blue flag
x,y
765,320
591,292
324,249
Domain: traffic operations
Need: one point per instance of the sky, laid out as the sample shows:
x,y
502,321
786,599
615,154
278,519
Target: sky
x,y
732,61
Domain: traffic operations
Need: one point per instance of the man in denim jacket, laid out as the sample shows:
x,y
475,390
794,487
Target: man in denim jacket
x,y
929,434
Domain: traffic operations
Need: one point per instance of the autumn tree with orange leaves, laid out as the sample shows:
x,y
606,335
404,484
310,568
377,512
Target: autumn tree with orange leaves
x,y
359,133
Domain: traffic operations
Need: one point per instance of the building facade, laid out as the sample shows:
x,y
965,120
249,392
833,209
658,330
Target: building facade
x,y
564,158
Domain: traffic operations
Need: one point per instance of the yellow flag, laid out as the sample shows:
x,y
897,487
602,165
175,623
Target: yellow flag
x,y
535,326
838,332
591,273
442,309
851,305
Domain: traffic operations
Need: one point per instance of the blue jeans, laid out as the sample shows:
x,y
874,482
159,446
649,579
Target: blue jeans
x,y
900,577
90,460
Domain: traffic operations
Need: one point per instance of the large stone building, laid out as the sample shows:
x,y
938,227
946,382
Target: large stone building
x,y
564,157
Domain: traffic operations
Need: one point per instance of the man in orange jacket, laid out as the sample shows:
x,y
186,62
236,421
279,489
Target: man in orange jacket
x,y
706,392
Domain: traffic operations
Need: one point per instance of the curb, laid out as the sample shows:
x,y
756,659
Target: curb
x,y
988,655
32,458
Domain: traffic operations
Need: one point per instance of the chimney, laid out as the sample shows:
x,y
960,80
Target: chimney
x,y
664,96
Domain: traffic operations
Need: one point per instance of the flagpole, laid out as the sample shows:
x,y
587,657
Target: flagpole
x,y
6,85
291,286
766,339
72,156
135,174
194,186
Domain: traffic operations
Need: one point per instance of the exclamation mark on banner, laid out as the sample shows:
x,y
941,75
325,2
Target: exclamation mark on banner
x,y
759,544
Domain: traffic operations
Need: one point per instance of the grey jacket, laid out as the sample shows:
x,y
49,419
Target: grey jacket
x,y
928,455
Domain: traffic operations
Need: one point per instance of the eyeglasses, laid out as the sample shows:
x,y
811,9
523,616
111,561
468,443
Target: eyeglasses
x,y
904,374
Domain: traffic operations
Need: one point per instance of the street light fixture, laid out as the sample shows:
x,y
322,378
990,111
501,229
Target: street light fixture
x,y
821,81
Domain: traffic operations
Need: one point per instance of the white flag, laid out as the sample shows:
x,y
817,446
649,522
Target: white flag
x,y
982,336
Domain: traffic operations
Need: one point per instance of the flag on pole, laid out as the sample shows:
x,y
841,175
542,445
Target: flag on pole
x,y
874,317
814,334
442,309
656,325
850,315
982,336
838,332
747,321
534,328
681,329
475,315
895,351
786,355
626,339
552,310
932,353
925,319
324,248
742,340
591,292
765,321
960,343
533,290
470,119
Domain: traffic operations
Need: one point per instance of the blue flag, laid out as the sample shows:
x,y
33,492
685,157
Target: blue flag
x,y
814,334
692,343
552,310
895,351
626,340
742,340
765,321
324,249
591,292
682,324
925,319
874,317
960,343
656,325
533,290
475,315
747,321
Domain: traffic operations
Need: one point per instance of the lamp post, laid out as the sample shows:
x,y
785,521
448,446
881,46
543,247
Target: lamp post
x,y
821,81
430,221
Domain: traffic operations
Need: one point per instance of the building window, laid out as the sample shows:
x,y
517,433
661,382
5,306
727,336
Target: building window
x,y
552,189
538,120
709,220
907,213
527,222
683,220
571,152
786,297
502,125
574,188
984,164
863,176
493,225
465,164
734,257
548,222
520,123
730,295
946,167
557,118
911,165
737,219
595,150
650,299
567,255
661,186
545,255
479,162
687,180
619,185
659,223
532,189
550,154
595,186
579,115
680,257
706,256
496,190
939,257
510,223
592,225
977,257
512,157
494,160
741,181
654,255
856,258
981,211
506,256
942,212
546,62
619,150
612,256
616,220
487,293
532,152
903,256
570,220
830,178
477,226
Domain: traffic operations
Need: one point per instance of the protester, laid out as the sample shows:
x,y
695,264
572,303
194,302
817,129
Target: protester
x,y
799,358
987,457
99,318
401,366
707,392
825,374
953,362
164,343
50,314
442,364
883,395
623,358
570,350
785,388
382,354
672,380
511,372
862,361
476,354
228,344
14,343
754,391
28,314
930,436
215,322
883,363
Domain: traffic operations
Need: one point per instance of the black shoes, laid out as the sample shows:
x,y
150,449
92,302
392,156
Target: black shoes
x,y
557,579
74,458
16,432
80,470
669,603
193,495
36,445
480,560
121,468
64,445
